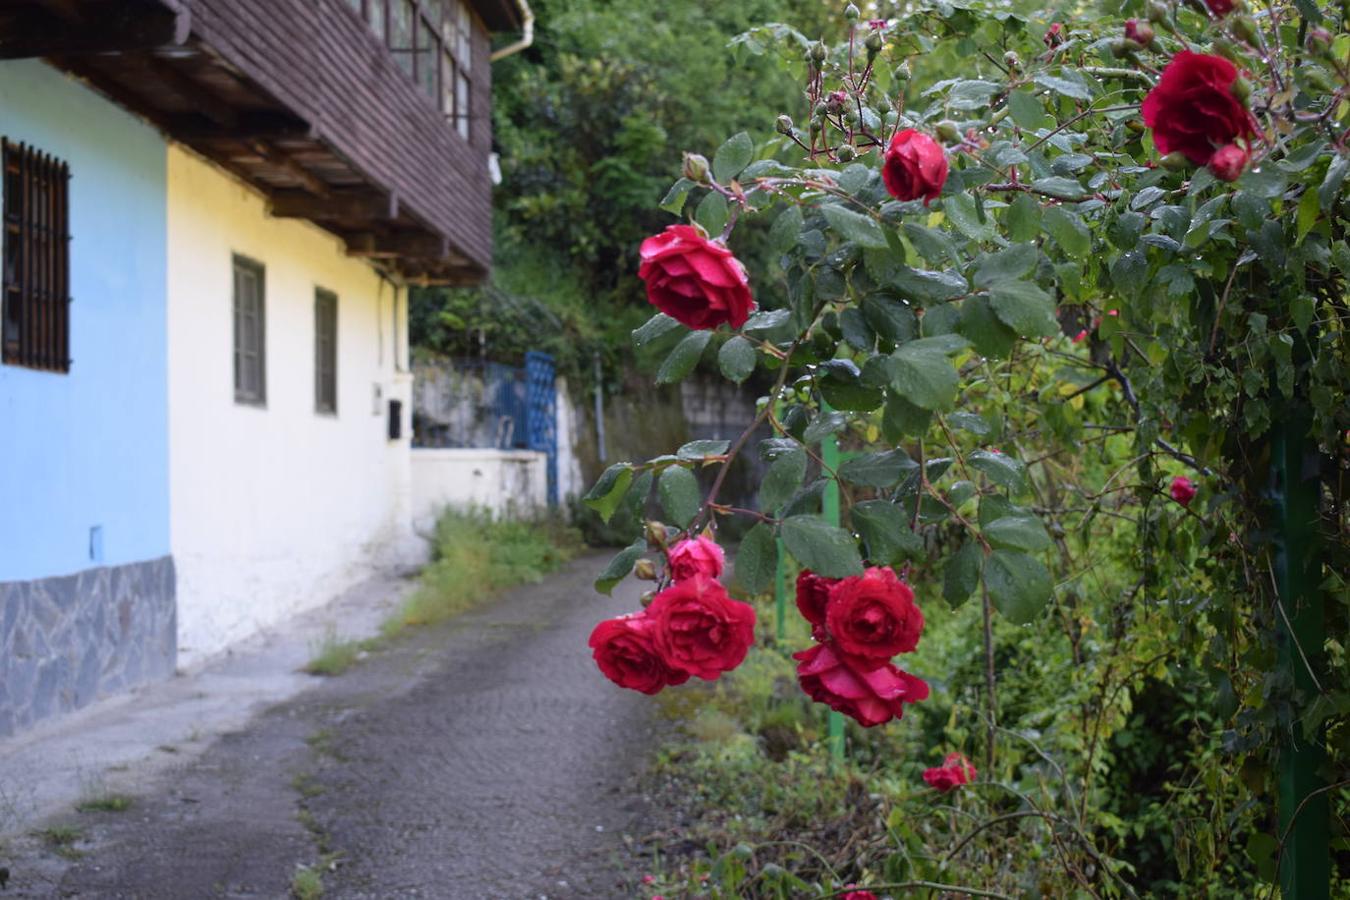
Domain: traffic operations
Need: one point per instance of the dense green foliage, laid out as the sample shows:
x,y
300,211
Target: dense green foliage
x,y
1119,664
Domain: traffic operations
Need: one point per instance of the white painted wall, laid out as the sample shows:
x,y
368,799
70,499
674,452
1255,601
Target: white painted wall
x,y
275,510
570,480
507,482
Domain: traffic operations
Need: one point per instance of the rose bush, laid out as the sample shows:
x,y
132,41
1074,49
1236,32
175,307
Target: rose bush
x,y
873,615
870,693
626,652
698,556
694,280
700,629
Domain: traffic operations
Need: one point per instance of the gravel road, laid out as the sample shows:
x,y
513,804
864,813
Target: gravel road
x,y
485,758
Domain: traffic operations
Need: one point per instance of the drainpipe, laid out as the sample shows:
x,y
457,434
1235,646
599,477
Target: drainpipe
x,y
526,33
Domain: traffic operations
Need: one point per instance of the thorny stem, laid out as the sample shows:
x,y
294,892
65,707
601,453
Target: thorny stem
x,y
990,683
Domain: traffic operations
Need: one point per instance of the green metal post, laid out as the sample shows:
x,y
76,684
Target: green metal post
x,y
1305,865
829,454
780,592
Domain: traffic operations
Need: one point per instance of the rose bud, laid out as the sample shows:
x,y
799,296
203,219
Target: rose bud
x,y
644,570
1183,490
1054,35
1228,163
902,73
1244,28
818,52
1220,8
1175,161
1319,41
873,44
846,153
915,166
852,13
694,557
948,132
1139,32
1241,89
1158,12
784,125
1192,109
693,280
1012,61
696,168
655,532
955,771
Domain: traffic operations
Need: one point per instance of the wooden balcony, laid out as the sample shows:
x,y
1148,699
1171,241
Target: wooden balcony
x,y
301,99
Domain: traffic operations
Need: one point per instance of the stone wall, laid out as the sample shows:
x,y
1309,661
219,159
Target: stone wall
x,y
65,642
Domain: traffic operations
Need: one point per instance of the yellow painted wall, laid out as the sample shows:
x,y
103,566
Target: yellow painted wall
x,y
274,510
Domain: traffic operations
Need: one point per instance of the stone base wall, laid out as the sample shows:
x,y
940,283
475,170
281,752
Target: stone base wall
x,y
65,642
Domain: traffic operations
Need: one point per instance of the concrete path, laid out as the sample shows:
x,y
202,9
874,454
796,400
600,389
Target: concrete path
x,y
483,758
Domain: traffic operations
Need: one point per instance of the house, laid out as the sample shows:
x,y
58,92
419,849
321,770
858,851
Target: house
x,y
213,210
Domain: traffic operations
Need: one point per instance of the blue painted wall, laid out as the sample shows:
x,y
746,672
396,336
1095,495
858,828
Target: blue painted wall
x,y
84,458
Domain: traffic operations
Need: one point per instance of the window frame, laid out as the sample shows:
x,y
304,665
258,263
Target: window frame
x,y
242,395
325,377
34,259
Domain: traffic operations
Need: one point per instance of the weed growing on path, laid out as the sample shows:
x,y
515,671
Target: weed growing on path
x,y
114,803
475,555
62,840
333,655
306,884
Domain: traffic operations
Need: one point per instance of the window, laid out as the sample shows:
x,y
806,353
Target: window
x,y
325,351
250,333
35,313
432,41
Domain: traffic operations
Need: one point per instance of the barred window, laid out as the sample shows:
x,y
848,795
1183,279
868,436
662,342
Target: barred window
x,y
35,313
325,351
250,332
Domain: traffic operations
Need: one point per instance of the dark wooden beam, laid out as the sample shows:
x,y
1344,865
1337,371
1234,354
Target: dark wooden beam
x,y
192,92
191,128
116,32
371,245
277,159
370,206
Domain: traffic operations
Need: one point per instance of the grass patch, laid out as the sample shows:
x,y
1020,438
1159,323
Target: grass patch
x,y
113,803
62,840
333,655
306,884
475,555
306,785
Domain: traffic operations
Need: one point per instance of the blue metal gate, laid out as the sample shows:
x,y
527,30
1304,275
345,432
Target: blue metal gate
x,y
541,409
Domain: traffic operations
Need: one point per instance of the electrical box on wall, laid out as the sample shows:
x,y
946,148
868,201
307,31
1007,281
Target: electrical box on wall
x,y
395,420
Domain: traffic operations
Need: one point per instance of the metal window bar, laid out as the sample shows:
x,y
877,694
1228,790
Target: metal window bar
x,y
36,253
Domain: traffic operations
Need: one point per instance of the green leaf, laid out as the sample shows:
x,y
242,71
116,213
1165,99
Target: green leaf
x,y
1027,111
1023,218
732,157
605,495
824,425
852,396
1002,469
781,481
1330,190
680,495
1017,533
713,213
961,575
737,359
683,358
1060,188
925,377
862,230
878,470
984,329
1014,262
960,209
697,450
891,319
620,566
766,320
1068,83
856,331
1024,308
1069,232
885,531
823,548
655,328
757,559
1018,584
1309,210
967,95
675,197
1129,273
929,286
902,419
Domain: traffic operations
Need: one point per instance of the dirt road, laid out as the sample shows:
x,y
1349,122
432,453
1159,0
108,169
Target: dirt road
x,y
485,758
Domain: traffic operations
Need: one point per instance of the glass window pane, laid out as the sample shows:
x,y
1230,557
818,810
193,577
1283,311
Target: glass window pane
x,y
428,51
375,15
462,103
355,4
447,83
401,34
464,44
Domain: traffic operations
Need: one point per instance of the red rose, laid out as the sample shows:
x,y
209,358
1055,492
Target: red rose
x,y
1220,7
857,895
873,696
701,630
695,280
1183,490
873,616
1228,163
1193,110
915,166
698,556
813,597
955,771
626,653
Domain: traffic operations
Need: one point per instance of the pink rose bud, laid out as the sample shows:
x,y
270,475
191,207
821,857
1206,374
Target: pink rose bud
x,y
1080,336
915,166
694,557
955,771
1229,163
1054,35
1139,32
1183,490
